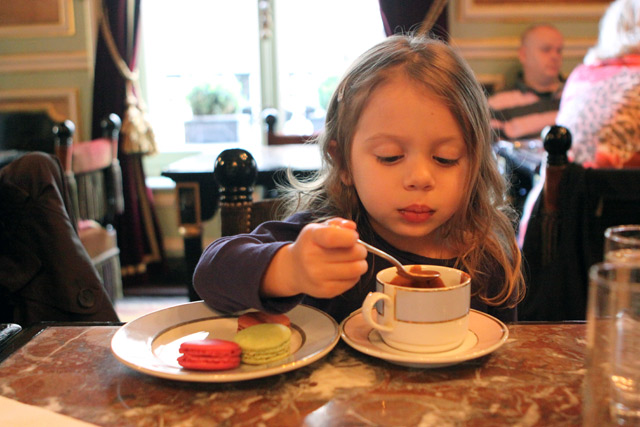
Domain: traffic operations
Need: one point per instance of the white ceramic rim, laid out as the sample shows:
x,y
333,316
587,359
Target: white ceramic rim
x,y
480,324
466,281
132,344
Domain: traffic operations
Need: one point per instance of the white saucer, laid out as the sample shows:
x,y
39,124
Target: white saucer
x,y
486,334
150,344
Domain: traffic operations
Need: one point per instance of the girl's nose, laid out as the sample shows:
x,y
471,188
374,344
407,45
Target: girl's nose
x,y
418,176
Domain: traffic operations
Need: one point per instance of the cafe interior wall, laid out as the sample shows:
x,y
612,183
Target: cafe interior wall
x,y
51,64
47,57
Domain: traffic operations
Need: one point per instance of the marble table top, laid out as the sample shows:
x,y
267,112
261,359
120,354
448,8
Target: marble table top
x,y
535,378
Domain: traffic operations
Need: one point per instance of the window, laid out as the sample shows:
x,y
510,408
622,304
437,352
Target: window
x,y
282,54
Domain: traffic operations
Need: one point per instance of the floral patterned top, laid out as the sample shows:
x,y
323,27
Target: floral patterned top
x,y
601,107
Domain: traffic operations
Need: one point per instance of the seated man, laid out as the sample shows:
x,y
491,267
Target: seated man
x,y
45,272
521,113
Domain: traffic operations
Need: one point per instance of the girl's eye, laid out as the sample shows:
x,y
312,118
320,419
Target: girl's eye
x,y
446,162
388,159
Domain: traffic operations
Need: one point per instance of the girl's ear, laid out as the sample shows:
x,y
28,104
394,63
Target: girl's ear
x,y
345,177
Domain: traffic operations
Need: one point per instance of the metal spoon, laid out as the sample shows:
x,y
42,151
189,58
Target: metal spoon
x,y
402,271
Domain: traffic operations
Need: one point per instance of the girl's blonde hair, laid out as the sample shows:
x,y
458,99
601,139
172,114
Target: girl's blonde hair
x,y
619,32
481,230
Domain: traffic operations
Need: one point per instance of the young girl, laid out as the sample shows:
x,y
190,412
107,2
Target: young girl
x,y
408,167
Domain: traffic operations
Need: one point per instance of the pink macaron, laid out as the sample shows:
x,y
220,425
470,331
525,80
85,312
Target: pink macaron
x,y
253,318
209,355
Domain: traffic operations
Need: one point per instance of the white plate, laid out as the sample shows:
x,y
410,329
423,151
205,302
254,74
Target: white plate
x,y
150,343
486,334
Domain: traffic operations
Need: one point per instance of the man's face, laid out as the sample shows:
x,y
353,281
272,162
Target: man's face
x,y
541,56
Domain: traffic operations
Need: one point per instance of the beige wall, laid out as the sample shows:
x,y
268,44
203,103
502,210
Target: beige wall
x,y
487,32
51,63
46,60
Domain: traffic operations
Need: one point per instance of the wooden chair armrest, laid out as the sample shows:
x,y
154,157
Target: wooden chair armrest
x,y
277,139
274,138
92,155
557,142
111,126
63,143
236,172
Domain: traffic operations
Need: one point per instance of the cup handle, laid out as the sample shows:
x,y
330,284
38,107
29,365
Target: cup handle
x,y
367,307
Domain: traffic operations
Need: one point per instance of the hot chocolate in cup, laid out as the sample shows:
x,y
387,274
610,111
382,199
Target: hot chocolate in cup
x,y
420,319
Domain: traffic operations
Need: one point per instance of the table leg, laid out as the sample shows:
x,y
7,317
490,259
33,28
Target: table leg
x,y
192,252
189,212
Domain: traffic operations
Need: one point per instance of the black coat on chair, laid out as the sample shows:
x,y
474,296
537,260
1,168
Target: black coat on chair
x,y
565,232
45,272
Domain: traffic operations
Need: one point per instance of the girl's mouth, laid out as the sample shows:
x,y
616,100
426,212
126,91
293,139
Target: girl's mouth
x,y
416,213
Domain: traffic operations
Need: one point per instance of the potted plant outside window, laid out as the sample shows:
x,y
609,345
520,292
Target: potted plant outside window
x,y
215,117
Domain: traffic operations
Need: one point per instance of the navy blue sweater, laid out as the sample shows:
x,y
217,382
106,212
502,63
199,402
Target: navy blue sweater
x,y
231,268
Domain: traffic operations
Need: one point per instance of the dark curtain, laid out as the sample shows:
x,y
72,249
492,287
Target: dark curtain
x,y
139,236
402,16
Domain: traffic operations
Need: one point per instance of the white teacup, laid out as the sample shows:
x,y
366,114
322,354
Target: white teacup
x,y
421,320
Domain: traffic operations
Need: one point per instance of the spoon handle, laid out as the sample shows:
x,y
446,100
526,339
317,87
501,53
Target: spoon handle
x,y
402,271
382,254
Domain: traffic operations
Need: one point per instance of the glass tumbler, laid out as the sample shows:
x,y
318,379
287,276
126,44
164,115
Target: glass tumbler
x,y
612,380
622,243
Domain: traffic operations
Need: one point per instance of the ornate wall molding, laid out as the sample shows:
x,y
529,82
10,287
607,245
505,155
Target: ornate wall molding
x,y
36,18
61,103
523,11
507,48
56,61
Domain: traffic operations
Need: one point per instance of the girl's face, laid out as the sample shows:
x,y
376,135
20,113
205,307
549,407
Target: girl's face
x,y
409,166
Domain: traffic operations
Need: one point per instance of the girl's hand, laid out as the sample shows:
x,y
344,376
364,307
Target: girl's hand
x,y
323,262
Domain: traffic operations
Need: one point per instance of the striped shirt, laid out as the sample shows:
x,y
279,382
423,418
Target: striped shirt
x,y
522,113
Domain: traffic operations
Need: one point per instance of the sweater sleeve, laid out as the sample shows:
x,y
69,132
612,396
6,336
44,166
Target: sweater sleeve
x,y
230,270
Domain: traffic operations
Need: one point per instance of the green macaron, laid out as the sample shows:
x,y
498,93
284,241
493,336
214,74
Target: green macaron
x,y
264,343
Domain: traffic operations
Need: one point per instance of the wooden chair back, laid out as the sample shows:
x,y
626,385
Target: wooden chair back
x,y
93,177
565,231
22,131
91,167
275,138
236,172
98,175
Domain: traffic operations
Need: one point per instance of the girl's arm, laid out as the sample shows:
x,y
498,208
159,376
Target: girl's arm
x,y
232,272
323,262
